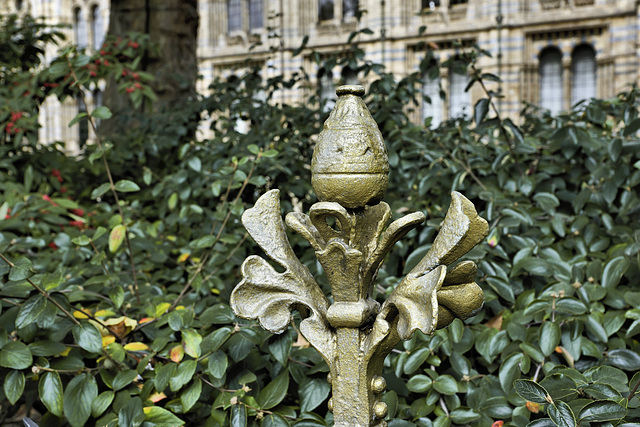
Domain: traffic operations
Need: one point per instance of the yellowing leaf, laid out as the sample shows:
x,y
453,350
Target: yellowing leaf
x,y
177,353
145,320
103,313
162,308
121,325
301,341
65,352
533,407
183,257
136,346
157,397
116,237
79,315
107,339
180,307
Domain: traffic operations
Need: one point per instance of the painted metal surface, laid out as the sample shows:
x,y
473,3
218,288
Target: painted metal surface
x,y
353,332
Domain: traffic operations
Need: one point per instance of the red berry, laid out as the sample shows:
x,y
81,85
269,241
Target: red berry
x,y
93,73
63,190
130,89
135,76
53,246
77,211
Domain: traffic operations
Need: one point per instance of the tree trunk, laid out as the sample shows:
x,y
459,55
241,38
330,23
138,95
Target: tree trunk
x,y
173,27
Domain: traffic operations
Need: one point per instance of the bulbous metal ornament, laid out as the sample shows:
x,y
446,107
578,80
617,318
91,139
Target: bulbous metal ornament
x,y
354,333
350,165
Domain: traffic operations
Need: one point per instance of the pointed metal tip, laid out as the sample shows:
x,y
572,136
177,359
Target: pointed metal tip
x,y
357,90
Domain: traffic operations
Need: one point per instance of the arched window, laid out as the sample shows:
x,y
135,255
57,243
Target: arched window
x,y
430,4
255,14
80,28
327,89
583,73
431,101
97,32
349,9
325,10
459,100
551,80
234,15
349,76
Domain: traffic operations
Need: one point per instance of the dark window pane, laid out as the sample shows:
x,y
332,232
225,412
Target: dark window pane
x,y
325,10
430,4
349,9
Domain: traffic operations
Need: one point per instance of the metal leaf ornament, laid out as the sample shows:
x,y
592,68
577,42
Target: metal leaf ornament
x,y
349,233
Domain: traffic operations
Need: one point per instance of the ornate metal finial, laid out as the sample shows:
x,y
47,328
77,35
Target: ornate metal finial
x,y
350,150
355,333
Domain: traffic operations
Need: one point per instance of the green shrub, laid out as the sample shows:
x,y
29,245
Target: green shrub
x,y
114,306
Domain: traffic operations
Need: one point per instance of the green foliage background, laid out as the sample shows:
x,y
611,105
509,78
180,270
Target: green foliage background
x,y
114,295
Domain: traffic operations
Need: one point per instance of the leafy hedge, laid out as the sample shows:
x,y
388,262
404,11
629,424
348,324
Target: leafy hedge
x,y
117,264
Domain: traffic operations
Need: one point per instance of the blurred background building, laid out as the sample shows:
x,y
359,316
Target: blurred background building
x,y
552,53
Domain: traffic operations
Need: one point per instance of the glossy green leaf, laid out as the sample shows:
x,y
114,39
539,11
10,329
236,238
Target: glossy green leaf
x,y
510,371
313,393
218,364
531,391
15,355
183,374
157,416
50,392
123,379
101,113
445,384
13,386
274,392
624,359
78,398
549,337
238,416
561,414
613,272
126,186
88,337
22,269
101,403
30,310
419,383
190,395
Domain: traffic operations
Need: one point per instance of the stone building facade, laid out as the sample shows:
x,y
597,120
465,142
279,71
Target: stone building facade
x,y
553,53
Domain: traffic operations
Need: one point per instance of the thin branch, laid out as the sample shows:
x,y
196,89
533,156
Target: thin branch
x,y
112,185
632,392
466,167
217,238
504,132
44,293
